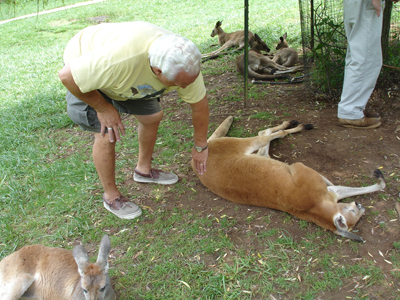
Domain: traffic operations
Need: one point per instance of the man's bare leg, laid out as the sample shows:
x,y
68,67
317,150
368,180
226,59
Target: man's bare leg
x,y
147,134
104,153
104,161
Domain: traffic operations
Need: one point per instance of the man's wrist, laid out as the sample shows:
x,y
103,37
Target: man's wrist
x,y
200,148
102,105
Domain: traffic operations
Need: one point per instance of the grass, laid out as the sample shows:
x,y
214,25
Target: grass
x,y
50,194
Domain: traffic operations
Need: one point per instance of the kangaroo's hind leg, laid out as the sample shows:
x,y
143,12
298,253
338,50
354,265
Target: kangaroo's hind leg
x,y
225,46
263,151
344,191
283,126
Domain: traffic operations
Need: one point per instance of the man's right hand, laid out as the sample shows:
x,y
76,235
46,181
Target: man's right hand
x,y
109,118
107,114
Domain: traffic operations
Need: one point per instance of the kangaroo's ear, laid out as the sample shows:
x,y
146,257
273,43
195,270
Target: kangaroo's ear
x,y
352,236
257,38
285,36
340,223
219,23
281,38
81,258
104,251
342,228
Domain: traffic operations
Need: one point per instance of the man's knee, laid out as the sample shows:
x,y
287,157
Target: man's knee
x,y
150,120
102,143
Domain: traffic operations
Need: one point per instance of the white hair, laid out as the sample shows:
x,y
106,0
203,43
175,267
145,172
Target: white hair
x,y
173,54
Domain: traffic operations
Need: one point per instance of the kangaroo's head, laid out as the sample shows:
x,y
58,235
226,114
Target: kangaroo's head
x,y
95,283
347,217
282,43
259,45
217,29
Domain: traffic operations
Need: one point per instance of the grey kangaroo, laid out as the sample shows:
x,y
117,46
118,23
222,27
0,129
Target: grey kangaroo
x,y
228,40
260,66
285,56
39,272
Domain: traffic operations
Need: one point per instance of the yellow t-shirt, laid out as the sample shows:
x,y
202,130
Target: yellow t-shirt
x,y
113,57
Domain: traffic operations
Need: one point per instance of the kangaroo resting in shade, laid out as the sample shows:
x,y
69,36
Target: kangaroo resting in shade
x,y
285,56
259,65
236,173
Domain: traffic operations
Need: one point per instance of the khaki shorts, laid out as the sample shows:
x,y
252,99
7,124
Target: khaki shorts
x,y
86,117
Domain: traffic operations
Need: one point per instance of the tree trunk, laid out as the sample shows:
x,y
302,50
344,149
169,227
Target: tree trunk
x,y
387,13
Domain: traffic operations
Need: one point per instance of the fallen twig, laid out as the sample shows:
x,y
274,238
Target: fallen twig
x,y
391,67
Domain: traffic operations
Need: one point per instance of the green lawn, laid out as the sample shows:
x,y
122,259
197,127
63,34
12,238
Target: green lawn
x,y
50,193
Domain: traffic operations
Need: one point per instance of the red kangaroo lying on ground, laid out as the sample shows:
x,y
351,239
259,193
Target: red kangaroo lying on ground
x,y
261,66
228,40
235,173
39,272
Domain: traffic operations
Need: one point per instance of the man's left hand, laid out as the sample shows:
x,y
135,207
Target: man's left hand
x,y
200,160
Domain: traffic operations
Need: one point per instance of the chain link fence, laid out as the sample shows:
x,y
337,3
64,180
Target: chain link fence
x,y
324,43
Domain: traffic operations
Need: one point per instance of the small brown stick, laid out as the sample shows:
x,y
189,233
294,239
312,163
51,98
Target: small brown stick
x,y
391,67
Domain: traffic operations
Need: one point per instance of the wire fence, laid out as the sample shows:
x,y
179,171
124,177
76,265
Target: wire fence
x,y
324,43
